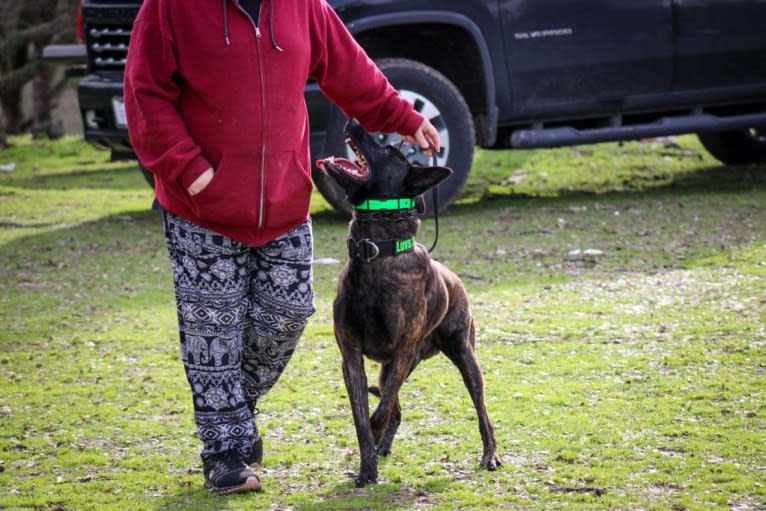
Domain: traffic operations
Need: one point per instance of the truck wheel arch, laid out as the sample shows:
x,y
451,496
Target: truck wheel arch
x,y
483,105
439,100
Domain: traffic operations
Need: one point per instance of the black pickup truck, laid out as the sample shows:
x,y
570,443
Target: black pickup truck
x,y
516,74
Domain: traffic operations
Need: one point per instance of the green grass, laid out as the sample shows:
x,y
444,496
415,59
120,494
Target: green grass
x,y
630,379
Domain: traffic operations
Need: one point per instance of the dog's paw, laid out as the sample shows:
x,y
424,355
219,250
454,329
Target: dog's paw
x,y
368,471
491,461
365,478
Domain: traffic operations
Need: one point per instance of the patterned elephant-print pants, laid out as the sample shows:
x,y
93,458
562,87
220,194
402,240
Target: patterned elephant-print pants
x,y
241,311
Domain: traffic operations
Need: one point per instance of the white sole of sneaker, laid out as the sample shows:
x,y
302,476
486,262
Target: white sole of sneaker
x,y
252,484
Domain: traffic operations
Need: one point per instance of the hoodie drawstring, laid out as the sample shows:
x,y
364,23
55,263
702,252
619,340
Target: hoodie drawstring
x,y
274,43
271,29
226,24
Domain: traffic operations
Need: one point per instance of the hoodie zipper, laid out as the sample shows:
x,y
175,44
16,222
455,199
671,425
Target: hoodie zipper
x,y
264,124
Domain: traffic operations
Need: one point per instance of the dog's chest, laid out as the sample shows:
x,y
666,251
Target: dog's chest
x,y
382,325
384,308
382,353
379,331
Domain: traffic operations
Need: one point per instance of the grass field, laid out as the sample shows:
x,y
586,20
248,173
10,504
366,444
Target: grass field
x,y
620,299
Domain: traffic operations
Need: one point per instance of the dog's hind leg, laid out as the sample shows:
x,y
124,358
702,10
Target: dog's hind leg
x,y
458,344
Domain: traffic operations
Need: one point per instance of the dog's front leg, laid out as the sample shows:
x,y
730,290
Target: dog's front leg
x,y
356,385
395,374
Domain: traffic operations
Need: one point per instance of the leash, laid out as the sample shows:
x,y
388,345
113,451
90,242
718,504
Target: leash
x,y
435,200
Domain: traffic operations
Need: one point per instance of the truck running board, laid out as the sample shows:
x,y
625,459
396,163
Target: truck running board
x,y
540,136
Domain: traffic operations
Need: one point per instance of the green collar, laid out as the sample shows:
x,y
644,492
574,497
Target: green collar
x,y
385,204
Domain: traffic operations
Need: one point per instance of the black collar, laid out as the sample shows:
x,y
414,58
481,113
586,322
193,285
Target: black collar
x,y
366,249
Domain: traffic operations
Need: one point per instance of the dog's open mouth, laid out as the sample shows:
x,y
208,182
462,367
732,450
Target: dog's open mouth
x,y
357,171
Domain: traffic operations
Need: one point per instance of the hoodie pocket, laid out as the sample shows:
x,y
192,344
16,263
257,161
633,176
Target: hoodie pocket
x,y
288,190
231,197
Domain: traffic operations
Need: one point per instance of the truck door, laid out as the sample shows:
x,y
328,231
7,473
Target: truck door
x,y
720,43
574,56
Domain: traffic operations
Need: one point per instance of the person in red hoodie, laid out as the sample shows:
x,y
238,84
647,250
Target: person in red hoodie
x,y
215,106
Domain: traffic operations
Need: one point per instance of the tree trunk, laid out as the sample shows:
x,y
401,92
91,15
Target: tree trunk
x,y
11,111
16,79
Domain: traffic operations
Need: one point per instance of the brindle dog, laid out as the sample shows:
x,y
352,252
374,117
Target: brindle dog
x,y
397,308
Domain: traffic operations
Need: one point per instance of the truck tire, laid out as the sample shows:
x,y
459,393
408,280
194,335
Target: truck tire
x,y
438,100
736,147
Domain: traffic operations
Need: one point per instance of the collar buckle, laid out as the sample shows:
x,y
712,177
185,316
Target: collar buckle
x,y
364,249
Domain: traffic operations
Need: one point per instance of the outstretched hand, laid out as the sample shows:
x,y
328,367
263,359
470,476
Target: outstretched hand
x,y
426,133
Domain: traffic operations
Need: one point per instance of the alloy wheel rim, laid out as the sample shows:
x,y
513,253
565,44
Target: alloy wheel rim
x,y
414,154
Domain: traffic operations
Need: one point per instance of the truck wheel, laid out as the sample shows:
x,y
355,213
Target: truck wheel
x,y
437,99
736,147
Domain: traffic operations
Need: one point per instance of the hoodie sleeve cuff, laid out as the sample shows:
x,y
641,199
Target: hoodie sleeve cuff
x,y
411,124
194,170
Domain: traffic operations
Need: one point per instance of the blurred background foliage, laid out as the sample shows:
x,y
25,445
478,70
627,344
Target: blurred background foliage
x,y
26,27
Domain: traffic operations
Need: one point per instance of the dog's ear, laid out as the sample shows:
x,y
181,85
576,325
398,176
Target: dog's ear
x,y
420,179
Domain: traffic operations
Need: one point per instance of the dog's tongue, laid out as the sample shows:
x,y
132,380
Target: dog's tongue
x,y
343,164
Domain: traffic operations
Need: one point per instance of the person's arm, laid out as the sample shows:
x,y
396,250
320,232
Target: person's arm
x,y
157,131
352,81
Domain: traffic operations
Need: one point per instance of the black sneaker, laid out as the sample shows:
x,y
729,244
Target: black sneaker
x,y
256,453
227,473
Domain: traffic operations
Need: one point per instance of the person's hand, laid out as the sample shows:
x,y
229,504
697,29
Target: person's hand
x,y
426,133
201,182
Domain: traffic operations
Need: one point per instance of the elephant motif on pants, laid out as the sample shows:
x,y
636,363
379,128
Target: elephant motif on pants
x,y
220,347
195,350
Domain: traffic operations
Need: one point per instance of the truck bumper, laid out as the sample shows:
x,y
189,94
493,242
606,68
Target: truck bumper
x,y
100,99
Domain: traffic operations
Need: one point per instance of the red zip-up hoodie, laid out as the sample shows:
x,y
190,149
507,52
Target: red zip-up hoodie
x,y
205,87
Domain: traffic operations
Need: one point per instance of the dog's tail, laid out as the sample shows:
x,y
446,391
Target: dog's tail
x,y
374,390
